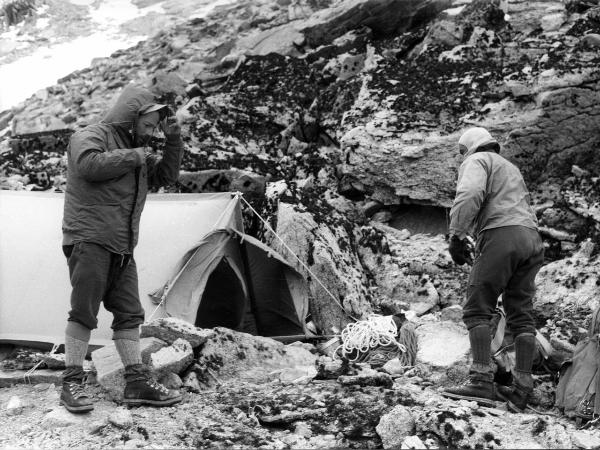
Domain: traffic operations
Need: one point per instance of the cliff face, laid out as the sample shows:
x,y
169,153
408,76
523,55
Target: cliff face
x,y
344,112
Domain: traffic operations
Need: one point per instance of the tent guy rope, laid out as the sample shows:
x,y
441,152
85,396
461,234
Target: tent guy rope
x,y
27,375
266,224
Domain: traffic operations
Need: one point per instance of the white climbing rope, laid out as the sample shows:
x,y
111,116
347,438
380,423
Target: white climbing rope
x,y
363,336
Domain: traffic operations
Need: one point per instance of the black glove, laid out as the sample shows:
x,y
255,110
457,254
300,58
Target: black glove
x,y
460,250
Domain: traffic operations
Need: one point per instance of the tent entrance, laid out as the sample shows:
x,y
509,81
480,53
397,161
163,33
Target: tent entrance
x,y
235,281
223,300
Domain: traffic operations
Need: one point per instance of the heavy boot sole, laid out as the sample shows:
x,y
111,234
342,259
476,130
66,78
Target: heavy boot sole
x,y
479,400
77,409
142,402
511,406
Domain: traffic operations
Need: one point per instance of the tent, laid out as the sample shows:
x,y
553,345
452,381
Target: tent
x,y
193,260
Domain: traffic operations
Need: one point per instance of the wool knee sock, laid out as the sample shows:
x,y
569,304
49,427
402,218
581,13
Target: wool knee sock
x,y
480,338
127,343
77,338
525,347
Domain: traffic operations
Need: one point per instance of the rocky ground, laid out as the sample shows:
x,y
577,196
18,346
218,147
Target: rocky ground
x,y
338,121
274,396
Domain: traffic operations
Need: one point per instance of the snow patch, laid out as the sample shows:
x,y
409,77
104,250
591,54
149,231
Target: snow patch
x,y
45,66
48,64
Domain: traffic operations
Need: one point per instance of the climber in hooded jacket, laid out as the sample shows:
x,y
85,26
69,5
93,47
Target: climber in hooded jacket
x,y
492,203
109,170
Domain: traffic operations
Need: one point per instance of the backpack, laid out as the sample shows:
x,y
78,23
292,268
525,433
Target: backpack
x,y
580,379
503,350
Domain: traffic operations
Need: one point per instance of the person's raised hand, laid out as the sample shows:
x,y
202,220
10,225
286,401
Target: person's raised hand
x,y
170,126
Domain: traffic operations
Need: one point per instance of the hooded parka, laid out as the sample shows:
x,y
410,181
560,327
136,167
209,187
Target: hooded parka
x,y
108,179
490,193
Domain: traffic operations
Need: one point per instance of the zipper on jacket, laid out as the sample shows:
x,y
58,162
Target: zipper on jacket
x,y
135,197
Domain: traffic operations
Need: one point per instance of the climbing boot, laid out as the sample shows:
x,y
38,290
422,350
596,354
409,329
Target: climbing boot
x,y
142,389
72,396
515,396
479,388
519,393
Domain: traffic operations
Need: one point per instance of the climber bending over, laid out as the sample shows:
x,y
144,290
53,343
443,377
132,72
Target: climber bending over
x,y
492,203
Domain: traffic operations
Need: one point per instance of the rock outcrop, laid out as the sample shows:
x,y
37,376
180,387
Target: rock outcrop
x,y
568,293
230,355
392,89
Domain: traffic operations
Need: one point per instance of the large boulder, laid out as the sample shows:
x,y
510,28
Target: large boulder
x,y
418,166
442,344
231,355
337,282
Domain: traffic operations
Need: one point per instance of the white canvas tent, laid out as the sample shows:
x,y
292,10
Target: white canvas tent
x,y
191,243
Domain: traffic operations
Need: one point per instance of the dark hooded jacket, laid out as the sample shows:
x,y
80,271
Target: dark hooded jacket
x,y
107,179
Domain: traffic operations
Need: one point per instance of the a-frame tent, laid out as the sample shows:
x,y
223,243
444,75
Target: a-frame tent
x,y
191,248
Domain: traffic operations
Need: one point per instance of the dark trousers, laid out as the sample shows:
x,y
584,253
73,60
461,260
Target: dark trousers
x,y
99,276
507,261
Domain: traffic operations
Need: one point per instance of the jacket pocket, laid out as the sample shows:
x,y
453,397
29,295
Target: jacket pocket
x,y
67,250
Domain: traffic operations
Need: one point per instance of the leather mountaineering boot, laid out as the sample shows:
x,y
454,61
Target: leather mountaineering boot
x,y
149,392
142,389
515,396
519,393
480,388
72,396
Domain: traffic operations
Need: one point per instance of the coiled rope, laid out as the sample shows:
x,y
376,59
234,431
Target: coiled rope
x,y
375,340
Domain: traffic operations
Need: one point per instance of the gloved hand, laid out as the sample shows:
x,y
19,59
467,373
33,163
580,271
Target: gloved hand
x,y
170,126
460,250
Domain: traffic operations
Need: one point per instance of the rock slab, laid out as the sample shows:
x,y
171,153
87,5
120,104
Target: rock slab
x,y
241,356
169,329
172,359
110,369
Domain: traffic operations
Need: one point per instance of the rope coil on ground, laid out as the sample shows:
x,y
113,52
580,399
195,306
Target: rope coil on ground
x,y
359,338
